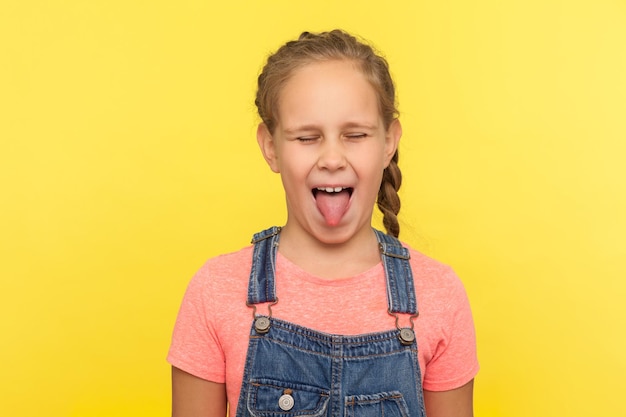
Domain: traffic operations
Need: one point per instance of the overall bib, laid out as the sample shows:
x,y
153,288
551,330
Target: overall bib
x,y
295,371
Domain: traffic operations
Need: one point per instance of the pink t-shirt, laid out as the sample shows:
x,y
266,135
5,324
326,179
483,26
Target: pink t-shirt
x,y
210,337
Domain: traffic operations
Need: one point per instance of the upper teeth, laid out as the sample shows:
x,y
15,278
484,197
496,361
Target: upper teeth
x,y
330,189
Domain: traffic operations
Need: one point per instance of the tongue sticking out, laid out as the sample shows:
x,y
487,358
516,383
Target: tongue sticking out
x,y
332,205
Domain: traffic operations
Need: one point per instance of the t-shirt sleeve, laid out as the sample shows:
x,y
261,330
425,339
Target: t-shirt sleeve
x,y
454,362
195,345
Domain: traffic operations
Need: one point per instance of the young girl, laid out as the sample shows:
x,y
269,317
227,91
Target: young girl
x,y
326,316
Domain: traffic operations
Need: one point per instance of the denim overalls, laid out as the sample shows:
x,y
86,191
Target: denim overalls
x,y
295,371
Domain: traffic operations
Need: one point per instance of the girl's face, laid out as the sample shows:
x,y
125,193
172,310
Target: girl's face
x,y
330,147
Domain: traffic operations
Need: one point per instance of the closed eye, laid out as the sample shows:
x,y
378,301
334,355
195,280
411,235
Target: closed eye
x,y
307,138
356,135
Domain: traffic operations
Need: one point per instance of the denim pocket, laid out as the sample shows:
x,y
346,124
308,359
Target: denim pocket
x,y
388,404
265,397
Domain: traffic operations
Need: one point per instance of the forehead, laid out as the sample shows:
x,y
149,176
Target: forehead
x,y
327,92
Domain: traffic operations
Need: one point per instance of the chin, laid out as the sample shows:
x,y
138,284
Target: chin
x,y
335,235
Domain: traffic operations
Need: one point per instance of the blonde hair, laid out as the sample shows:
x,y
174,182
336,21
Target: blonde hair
x,y
336,45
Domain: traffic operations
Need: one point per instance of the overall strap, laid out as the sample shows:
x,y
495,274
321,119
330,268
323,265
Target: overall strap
x,y
400,286
394,256
262,287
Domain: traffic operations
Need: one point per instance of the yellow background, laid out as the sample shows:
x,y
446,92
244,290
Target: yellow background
x,y
128,157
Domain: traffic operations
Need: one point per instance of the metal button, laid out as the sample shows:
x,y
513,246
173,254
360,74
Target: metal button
x,y
285,402
262,325
406,336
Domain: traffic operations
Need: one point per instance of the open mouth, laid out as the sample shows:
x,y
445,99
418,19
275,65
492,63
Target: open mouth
x,y
332,202
332,190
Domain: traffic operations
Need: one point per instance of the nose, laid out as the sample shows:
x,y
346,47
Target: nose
x,y
332,155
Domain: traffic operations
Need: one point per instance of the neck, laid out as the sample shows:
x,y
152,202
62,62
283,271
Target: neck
x,y
331,260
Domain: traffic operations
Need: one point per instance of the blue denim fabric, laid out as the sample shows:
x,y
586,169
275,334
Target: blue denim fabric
x,y
330,375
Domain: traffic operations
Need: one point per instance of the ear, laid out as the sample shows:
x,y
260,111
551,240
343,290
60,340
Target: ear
x,y
392,139
268,146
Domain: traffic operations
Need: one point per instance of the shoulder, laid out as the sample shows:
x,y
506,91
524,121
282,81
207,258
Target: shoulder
x,y
225,274
431,272
445,325
228,263
437,287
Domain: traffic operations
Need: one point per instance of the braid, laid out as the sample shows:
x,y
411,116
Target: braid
x,y
388,198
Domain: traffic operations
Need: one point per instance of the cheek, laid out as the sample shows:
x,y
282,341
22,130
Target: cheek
x,y
293,175
372,175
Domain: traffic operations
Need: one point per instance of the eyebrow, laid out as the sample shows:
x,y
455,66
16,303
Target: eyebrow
x,y
312,127
361,125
